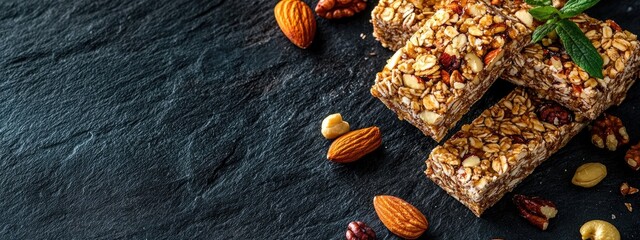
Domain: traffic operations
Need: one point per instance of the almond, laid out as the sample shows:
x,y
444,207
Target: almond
x,y
296,21
489,57
400,217
354,145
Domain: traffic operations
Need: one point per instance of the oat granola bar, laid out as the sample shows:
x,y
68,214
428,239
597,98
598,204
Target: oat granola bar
x,y
490,156
448,64
547,68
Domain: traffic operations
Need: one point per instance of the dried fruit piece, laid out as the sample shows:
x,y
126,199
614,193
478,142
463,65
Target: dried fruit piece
x,y
589,175
354,145
633,157
334,9
449,62
599,230
333,126
555,114
296,21
536,210
400,217
357,230
608,131
625,189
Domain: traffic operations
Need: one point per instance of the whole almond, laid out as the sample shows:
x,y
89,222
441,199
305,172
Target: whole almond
x,y
400,217
296,21
354,145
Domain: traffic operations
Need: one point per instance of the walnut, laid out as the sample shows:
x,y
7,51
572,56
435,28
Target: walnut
x,y
357,230
625,189
334,9
633,157
555,114
608,131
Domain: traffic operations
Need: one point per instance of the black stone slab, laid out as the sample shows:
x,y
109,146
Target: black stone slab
x,y
198,119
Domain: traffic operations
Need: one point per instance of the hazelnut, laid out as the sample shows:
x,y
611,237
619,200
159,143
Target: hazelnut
x,y
333,126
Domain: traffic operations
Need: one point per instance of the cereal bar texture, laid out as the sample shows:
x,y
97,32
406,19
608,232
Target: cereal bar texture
x,y
395,21
547,68
448,64
490,156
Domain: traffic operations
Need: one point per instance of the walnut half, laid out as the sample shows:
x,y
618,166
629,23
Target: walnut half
x,y
608,131
334,9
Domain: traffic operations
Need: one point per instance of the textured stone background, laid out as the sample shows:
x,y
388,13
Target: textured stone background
x,y
198,119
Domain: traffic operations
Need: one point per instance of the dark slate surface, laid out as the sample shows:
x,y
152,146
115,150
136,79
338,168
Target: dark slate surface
x,y
198,119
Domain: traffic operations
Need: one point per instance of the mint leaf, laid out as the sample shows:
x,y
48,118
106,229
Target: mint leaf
x,y
543,30
575,7
579,48
543,13
538,2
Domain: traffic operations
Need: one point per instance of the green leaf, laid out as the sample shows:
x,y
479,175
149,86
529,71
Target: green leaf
x,y
543,13
543,30
538,2
575,7
579,48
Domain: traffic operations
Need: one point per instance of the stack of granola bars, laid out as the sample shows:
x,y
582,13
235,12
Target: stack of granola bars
x,y
448,53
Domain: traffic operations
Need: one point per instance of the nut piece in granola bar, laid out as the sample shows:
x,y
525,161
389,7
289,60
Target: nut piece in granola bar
x,y
608,131
633,157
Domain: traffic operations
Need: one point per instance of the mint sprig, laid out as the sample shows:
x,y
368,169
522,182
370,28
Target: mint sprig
x,y
577,45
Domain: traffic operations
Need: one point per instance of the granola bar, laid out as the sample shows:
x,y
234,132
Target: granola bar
x,y
540,66
490,156
547,68
448,64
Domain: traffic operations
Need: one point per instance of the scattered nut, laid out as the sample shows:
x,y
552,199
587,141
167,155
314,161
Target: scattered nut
x,y
354,145
334,9
535,210
599,230
333,126
400,217
589,175
625,189
608,131
296,21
357,230
628,205
633,157
555,114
